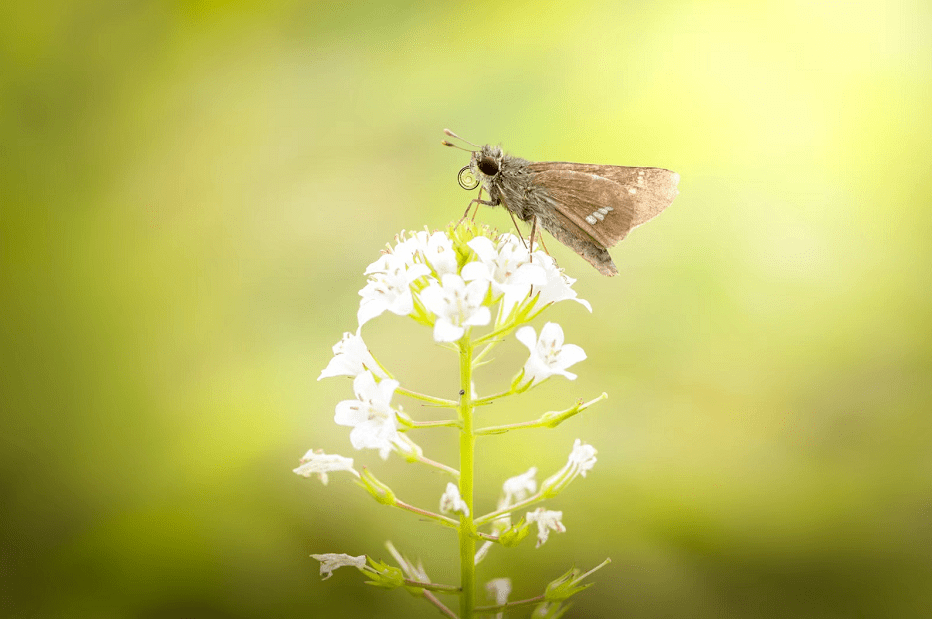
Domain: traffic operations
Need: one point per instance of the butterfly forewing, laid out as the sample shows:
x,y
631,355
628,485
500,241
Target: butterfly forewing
x,y
597,206
651,189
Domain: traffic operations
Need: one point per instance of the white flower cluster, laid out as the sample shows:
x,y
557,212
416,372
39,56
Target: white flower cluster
x,y
456,293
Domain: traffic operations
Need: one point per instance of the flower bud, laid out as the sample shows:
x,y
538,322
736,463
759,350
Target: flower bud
x,y
379,491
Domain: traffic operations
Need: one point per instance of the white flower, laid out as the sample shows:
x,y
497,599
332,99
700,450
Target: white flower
x,y
519,487
456,306
407,248
549,355
439,253
436,249
316,462
506,266
370,415
547,521
330,561
582,459
452,503
351,357
559,286
389,288
499,589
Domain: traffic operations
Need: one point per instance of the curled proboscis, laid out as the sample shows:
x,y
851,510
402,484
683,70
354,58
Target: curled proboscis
x,y
467,179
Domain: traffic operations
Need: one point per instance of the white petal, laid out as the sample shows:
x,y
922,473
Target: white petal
x,y
530,273
434,299
476,271
446,331
499,589
341,365
369,309
350,413
386,389
570,354
417,270
364,386
519,487
452,503
475,292
484,248
372,434
482,316
320,463
552,332
528,337
402,305
331,561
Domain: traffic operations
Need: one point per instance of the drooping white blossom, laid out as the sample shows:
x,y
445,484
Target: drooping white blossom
x,y
582,459
519,487
506,265
316,462
410,569
549,355
389,287
351,357
370,414
452,503
547,521
499,589
456,305
331,561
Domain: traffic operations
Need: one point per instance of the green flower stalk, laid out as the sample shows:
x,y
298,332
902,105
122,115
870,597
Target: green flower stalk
x,y
457,282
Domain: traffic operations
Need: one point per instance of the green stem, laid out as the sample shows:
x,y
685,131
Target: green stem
x,y
524,425
417,425
441,402
511,508
442,520
467,528
439,466
429,586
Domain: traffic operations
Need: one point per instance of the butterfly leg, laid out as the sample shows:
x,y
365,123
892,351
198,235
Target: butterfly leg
x,y
533,234
517,229
478,197
479,200
531,248
540,237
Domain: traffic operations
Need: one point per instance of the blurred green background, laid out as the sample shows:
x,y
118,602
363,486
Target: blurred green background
x,y
191,191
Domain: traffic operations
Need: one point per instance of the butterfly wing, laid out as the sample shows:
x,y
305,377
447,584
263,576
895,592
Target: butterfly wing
x,y
651,190
591,207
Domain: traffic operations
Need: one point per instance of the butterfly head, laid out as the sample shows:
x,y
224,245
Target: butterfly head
x,y
486,163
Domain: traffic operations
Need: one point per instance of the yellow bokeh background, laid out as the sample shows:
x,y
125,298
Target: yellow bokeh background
x,y
191,191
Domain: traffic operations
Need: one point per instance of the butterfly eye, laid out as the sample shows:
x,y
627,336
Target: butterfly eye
x,y
488,166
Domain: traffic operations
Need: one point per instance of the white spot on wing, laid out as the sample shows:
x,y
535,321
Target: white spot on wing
x,y
592,220
632,191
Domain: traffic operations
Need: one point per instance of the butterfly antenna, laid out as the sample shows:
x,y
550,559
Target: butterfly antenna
x,y
453,135
445,143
